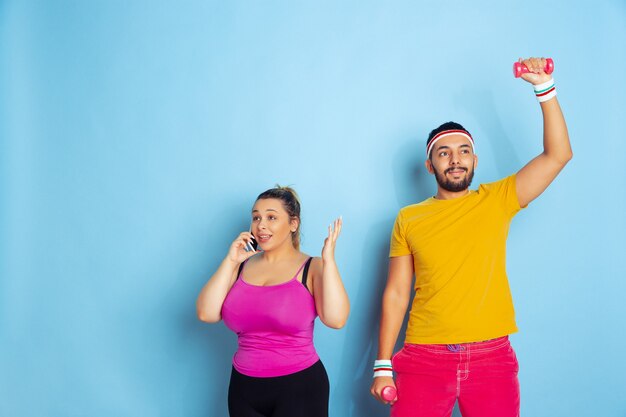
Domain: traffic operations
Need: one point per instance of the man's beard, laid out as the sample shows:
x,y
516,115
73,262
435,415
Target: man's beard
x,y
454,186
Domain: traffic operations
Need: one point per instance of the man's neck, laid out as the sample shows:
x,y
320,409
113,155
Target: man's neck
x,y
443,194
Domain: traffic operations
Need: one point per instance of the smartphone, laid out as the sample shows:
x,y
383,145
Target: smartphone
x,y
252,245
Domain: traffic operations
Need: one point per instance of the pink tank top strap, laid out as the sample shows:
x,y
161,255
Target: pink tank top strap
x,y
301,268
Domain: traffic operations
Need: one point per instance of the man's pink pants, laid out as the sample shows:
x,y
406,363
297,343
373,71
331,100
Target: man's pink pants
x,y
482,376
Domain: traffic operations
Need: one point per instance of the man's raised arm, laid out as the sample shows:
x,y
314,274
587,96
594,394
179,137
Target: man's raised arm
x,y
536,175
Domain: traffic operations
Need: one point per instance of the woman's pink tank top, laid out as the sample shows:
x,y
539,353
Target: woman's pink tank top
x,y
274,326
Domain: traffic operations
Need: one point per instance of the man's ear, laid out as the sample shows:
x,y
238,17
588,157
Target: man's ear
x,y
429,166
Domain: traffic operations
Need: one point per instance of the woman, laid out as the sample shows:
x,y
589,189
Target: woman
x,y
270,298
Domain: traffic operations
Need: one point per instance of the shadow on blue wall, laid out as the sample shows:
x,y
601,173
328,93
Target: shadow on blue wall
x,y
352,388
215,341
412,184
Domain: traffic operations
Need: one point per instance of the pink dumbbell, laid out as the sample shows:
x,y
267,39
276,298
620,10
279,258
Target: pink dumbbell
x,y
519,68
389,393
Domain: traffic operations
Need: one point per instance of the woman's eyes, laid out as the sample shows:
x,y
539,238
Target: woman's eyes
x,y
258,218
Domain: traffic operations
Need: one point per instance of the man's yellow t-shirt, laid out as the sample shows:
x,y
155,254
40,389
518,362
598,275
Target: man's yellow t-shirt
x,y
461,289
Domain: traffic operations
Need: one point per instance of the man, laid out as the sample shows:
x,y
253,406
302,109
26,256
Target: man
x,y
456,345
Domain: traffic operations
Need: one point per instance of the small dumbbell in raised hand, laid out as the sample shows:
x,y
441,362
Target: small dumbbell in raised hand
x,y
519,68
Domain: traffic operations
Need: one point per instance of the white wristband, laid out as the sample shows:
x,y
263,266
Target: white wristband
x,y
545,91
382,367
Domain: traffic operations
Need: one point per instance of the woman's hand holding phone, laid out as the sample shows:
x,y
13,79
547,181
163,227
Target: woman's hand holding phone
x,y
242,248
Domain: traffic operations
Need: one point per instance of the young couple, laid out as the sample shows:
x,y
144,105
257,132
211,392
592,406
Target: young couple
x,y
456,344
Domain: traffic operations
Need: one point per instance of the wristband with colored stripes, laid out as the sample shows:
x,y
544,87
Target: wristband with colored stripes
x,y
545,91
382,367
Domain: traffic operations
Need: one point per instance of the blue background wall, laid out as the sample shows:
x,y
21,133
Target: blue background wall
x,y
134,137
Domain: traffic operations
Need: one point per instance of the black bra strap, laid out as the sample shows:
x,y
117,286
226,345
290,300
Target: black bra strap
x,y
240,269
306,271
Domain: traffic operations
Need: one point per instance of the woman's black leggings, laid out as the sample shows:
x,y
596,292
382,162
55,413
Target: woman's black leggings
x,y
303,394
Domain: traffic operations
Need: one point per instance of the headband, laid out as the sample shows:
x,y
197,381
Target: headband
x,y
440,135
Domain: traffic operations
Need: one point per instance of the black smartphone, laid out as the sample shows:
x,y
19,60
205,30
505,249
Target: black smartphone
x,y
252,245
